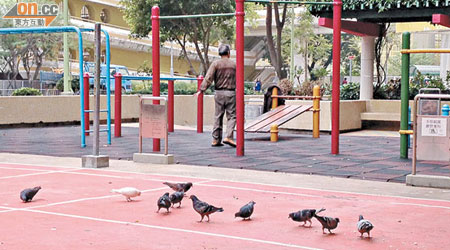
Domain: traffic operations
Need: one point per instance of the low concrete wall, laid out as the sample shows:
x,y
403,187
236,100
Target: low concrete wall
x,y
54,109
349,112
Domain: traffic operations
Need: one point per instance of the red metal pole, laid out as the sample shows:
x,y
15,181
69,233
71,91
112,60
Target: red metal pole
x,y
240,77
118,105
155,64
170,106
86,102
199,106
337,9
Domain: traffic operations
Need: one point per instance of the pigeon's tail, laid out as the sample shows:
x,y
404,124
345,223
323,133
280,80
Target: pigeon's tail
x,y
219,209
115,191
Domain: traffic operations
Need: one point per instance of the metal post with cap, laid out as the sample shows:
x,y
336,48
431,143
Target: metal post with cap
x,y
96,160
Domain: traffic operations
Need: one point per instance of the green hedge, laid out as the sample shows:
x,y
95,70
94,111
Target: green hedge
x,y
26,91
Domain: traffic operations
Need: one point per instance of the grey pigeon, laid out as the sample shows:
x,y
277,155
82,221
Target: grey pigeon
x,y
364,226
304,215
164,201
27,194
203,208
246,211
176,197
327,222
178,187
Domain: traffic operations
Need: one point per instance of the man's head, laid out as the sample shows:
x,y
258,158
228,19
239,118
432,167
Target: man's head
x,y
224,50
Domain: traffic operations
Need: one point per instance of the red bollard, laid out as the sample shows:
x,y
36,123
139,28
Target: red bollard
x,y
86,102
170,104
200,106
156,65
117,105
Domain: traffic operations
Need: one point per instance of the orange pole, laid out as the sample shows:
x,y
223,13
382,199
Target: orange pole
x,y
274,99
316,111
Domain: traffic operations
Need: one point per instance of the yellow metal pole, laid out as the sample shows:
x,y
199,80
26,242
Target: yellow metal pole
x,y
415,51
316,111
274,99
274,133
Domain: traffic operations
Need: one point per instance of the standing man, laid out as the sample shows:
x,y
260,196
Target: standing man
x,y
223,73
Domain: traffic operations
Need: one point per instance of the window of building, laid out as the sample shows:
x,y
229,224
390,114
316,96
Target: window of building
x,y
104,16
85,12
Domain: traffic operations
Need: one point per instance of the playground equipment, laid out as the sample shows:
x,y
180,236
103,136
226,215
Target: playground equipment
x,y
170,102
240,13
279,115
406,51
64,29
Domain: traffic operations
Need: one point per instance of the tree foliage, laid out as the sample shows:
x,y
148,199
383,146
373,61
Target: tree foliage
x,y
201,32
317,48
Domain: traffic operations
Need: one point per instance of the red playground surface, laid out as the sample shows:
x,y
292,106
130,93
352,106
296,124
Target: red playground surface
x,y
75,210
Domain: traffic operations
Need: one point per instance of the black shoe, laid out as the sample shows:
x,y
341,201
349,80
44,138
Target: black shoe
x,y
216,143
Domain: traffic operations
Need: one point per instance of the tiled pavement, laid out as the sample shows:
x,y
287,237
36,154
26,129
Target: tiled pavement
x,y
361,157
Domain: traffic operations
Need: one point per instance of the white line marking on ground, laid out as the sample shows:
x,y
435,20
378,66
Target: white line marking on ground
x,y
25,169
275,243
86,199
40,173
419,205
262,191
246,182
34,165
332,191
124,177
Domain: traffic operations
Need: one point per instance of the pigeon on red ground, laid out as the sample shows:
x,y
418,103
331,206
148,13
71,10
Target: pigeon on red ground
x,y
179,187
327,222
203,208
246,211
304,215
364,226
176,197
164,201
27,194
128,192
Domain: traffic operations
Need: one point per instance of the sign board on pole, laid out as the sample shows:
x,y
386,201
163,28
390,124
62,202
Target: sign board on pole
x,y
434,127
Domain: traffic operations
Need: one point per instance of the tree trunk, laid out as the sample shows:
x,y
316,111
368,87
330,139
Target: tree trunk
x,y
270,44
183,49
275,52
306,60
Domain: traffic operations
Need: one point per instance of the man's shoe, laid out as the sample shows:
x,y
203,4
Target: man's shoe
x,y
230,142
216,143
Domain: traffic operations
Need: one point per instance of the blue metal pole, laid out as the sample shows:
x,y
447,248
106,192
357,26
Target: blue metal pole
x,y
59,29
80,52
108,86
445,109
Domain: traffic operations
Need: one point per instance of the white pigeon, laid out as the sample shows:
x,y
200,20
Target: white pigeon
x,y
128,192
